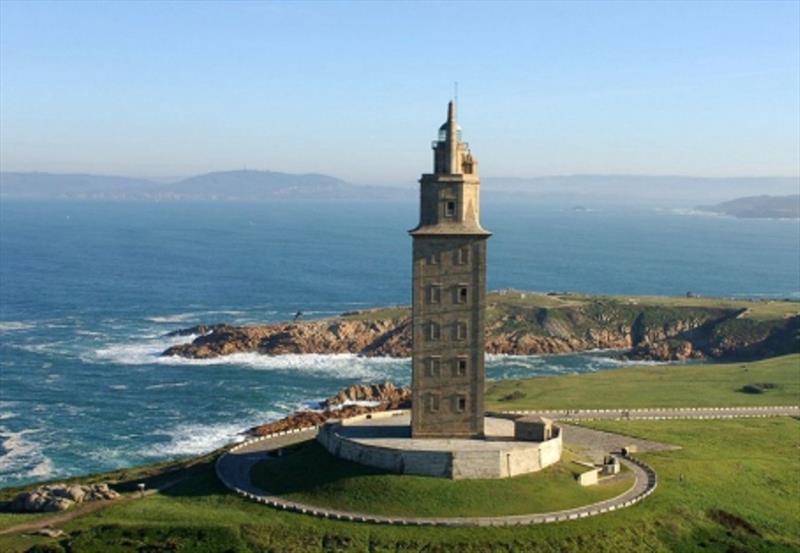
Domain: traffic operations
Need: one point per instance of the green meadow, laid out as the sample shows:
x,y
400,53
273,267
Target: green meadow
x,y
690,385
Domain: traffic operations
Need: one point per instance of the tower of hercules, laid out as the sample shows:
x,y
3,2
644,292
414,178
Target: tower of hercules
x,y
449,294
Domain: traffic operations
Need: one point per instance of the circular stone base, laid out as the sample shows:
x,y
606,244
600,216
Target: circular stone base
x,y
384,441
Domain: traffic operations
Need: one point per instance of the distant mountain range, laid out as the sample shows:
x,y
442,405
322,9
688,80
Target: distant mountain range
x,y
674,191
759,207
225,186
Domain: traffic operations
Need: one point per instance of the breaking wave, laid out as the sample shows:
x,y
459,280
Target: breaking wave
x,y
10,326
21,456
192,316
344,365
197,439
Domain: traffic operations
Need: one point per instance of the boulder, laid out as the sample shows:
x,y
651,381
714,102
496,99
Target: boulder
x,y
54,504
76,493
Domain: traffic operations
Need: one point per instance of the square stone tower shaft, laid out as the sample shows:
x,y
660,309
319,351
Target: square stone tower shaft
x,y
449,294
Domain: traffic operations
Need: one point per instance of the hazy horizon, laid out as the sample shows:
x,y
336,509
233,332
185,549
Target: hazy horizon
x,y
166,179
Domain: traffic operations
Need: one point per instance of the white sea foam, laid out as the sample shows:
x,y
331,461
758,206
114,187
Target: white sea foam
x,y
144,352
43,348
345,365
89,333
196,439
22,456
192,316
167,385
362,403
118,386
10,326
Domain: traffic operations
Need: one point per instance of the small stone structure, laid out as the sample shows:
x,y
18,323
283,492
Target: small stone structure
x,y
533,429
589,478
384,441
611,466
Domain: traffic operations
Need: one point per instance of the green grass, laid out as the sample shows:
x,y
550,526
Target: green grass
x,y
311,475
713,385
726,474
396,312
760,310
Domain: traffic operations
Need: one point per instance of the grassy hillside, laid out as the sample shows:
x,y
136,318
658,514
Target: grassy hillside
x,y
691,385
507,302
732,487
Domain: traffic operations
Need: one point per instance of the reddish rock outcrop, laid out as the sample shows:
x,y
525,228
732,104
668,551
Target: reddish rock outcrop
x,y
387,395
382,337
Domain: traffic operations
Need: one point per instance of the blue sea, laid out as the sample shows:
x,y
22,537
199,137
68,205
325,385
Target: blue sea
x,y
88,291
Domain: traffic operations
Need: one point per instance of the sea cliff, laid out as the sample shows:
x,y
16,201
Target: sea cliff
x,y
521,323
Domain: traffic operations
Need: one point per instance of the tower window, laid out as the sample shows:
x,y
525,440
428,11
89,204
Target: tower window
x,y
461,331
461,366
433,403
461,294
449,208
432,259
434,332
462,256
435,293
434,366
461,404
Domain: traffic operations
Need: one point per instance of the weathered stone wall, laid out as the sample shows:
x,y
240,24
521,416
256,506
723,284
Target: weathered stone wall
x,y
457,464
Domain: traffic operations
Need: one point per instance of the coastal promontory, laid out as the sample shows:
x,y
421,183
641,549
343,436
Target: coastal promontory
x,y
523,323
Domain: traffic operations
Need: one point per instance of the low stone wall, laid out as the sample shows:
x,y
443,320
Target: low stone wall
x,y
517,458
654,413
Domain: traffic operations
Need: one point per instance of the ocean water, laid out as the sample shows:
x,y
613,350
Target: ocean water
x,y
88,291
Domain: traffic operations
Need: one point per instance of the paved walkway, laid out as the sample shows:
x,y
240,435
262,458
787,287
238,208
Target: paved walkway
x,y
233,469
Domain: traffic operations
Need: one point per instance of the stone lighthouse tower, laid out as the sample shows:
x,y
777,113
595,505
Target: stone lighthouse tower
x,y
449,294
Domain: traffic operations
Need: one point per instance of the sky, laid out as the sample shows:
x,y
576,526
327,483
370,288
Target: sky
x,y
358,89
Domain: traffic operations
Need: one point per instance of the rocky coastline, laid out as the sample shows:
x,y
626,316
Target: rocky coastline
x,y
524,324
356,399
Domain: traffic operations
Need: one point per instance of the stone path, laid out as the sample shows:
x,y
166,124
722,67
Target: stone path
x,y
233,469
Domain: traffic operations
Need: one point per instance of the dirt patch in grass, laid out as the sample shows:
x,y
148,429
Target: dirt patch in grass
x,y
732,522
757,387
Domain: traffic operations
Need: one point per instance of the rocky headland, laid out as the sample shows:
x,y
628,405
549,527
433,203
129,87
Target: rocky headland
x,y
519,323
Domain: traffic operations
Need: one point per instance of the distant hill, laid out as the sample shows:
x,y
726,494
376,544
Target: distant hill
x,y
674,191
759,207
585,190
227,186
